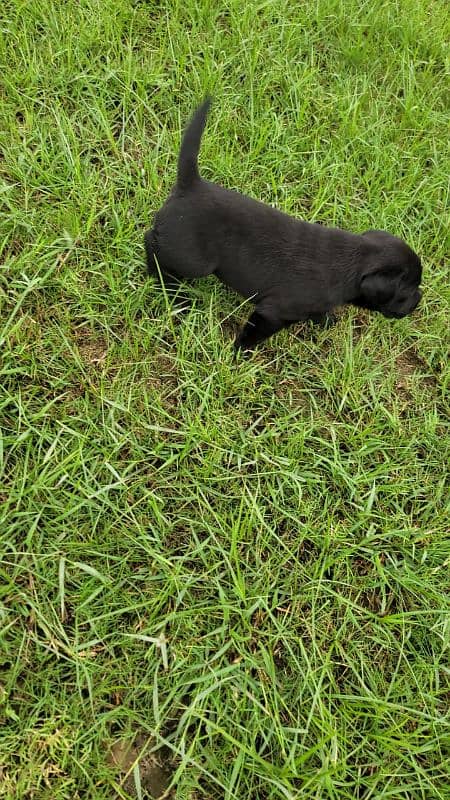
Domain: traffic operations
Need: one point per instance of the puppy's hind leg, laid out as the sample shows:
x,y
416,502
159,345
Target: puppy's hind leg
x,y
174,289
258,327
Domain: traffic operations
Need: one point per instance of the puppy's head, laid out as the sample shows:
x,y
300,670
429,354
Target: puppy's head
x,y
391,279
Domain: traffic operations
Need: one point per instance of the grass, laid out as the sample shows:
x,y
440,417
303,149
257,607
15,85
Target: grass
x,y
239,572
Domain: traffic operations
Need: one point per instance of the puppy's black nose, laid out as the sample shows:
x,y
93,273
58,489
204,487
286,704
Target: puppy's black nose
x,y
416,300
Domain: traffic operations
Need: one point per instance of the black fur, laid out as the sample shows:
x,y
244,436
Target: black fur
x,y
291,270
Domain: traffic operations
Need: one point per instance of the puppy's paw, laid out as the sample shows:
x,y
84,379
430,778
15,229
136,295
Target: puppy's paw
x,y
242,350
181,304
241,355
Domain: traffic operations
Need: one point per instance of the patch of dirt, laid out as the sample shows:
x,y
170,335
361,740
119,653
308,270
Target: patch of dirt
x,y
155,769
293,393
178,541
408,364
93,350
378,603
306,549
165,371
14,247
166,382
362,566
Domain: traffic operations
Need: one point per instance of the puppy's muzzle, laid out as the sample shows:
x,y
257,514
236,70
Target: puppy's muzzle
x,y
406,308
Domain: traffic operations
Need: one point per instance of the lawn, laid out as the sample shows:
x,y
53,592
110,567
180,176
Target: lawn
x,y
221,579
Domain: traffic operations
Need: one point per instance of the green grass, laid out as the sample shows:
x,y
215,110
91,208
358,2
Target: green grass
x,y
243,568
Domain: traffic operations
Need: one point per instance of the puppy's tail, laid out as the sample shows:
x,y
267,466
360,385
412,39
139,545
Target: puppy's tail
x,y
187,160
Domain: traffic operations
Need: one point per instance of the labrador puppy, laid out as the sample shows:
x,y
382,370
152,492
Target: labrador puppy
x,y
291,270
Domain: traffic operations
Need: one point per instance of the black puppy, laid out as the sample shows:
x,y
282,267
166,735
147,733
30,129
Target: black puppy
x,y
291,270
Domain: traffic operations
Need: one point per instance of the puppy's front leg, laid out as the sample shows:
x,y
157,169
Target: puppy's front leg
x,y
257,328
174,289
172,285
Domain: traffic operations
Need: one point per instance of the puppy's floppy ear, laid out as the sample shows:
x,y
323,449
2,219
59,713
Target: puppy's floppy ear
x,y
378,288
